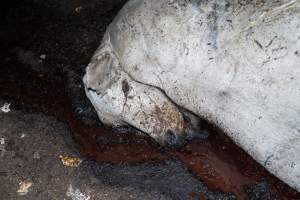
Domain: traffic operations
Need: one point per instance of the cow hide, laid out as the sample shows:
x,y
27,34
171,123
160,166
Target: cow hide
x,y
233,63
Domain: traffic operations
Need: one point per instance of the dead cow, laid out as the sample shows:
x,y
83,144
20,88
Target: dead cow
x,y
234,63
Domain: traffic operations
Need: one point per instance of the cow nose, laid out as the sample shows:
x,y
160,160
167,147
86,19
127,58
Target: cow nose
x,y
173,140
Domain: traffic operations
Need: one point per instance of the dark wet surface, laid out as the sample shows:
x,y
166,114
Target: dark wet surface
x,y
45,46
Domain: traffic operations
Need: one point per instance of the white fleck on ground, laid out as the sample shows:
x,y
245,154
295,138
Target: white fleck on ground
x,y
75,194
5,108
24,187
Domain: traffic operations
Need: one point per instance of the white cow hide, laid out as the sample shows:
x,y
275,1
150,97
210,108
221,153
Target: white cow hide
x,y
235,63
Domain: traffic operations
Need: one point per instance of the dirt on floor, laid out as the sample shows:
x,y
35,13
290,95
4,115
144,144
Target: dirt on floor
x,y
52,145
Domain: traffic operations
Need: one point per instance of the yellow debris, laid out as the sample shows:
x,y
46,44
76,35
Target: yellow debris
x,y
70,161
24,187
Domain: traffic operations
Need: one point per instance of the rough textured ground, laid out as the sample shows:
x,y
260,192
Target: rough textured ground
x,y
45,46
30,152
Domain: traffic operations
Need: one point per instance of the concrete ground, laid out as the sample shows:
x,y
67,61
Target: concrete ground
x,y
31,146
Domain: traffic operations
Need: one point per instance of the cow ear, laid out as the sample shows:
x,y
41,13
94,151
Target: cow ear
x,y
97,70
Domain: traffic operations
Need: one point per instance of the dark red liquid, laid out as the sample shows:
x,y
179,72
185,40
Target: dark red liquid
x,y
217,161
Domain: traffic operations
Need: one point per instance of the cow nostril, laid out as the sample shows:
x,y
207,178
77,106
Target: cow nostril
x,y
171,138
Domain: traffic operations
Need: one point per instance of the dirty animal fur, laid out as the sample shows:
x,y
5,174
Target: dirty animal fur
x,y
233,63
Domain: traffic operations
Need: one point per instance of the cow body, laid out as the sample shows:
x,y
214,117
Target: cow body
x,y
234,63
